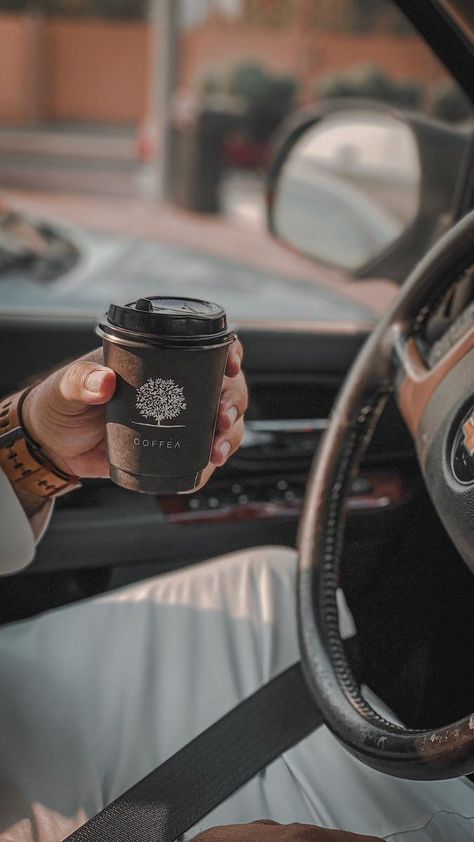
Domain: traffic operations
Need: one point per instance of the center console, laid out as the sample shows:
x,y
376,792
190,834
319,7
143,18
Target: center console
x,y
266,479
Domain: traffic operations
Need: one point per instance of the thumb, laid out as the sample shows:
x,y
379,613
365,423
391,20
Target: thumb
x,y
85,383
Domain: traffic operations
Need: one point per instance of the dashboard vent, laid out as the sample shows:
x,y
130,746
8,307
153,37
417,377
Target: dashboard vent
x,y
276,445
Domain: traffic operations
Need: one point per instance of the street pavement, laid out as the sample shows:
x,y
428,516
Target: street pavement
x,y
237,238
94,178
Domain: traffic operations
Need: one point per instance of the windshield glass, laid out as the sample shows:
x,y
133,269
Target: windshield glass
x,y
114,184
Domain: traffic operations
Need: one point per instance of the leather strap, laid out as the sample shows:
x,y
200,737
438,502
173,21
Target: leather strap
x,y
21,458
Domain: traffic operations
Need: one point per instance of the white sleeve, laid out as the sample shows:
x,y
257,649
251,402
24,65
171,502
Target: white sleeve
x,y
18,535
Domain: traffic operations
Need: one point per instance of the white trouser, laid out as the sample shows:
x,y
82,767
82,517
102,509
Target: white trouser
x,y
95,695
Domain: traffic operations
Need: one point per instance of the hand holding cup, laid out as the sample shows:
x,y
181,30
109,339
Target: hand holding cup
x,y
169,356
65,414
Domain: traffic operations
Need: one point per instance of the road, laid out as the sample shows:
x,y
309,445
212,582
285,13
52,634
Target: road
x,y
94,180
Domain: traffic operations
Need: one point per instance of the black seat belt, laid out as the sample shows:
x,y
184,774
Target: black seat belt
x,y
188,785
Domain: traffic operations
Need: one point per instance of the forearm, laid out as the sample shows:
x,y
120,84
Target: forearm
x,y
28,483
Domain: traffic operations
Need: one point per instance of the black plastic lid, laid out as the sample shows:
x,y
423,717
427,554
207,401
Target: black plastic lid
x,y
162,316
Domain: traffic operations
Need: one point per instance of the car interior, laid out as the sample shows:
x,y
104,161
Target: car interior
x,y
404,579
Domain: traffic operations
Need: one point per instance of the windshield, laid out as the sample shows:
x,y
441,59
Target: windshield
x,y
114,184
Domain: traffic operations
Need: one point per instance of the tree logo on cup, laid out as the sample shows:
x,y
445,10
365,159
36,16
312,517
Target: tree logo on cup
x,y
162,400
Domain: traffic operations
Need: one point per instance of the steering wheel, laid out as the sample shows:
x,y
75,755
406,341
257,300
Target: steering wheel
x,y
437,403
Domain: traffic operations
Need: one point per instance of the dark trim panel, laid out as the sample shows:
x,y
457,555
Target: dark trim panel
x,y
444,37
35,345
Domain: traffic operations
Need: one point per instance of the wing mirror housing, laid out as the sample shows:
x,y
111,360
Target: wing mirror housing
x,y
363,187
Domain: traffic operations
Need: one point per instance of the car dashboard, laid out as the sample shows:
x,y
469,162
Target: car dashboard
x,y
294,372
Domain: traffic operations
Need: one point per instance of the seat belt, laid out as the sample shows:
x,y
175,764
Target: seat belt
x,y
195,780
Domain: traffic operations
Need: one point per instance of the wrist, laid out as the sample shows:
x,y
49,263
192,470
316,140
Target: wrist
x,y
22,459
29,412
26,416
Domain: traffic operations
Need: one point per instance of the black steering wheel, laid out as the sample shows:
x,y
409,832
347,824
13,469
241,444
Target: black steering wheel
x,y
437,403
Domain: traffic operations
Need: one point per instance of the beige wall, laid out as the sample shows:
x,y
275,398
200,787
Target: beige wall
x,y
304,54
96,71
15,75
400,57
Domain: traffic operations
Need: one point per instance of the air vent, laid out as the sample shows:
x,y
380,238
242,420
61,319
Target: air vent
x,y
277,445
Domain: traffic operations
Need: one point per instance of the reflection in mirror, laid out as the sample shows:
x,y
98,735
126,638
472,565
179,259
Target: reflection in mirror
x,y
349,188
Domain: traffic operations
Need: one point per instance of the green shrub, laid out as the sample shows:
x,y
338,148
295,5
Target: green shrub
x,y
448,102
367,81
265,97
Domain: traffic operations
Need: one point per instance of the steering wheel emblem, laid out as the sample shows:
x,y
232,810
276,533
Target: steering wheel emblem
x,y
468,430
462,457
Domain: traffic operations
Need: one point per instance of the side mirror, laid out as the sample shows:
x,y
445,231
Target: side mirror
x,y
363,188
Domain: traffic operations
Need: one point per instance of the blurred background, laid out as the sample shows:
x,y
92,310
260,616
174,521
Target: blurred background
x,y
178,99
154,119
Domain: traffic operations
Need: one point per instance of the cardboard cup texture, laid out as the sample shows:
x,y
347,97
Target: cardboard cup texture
x,y
161,421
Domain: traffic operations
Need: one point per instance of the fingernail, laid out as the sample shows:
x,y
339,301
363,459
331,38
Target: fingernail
x,y
232,414
224,449
94,381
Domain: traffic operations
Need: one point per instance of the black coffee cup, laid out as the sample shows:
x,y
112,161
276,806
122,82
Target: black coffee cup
x,y
169,355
